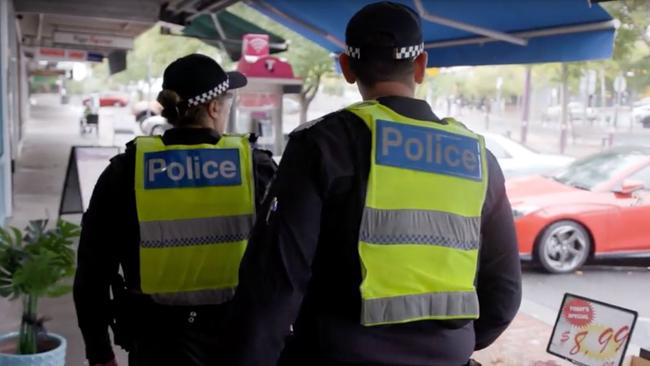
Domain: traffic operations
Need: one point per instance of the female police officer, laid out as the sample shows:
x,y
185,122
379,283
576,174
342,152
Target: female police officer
x,y
174,213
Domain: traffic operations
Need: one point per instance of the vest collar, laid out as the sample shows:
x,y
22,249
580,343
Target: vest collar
x,y
410,107
190,136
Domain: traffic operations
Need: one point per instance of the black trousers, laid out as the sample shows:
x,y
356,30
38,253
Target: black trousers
x,y
180,336
183,347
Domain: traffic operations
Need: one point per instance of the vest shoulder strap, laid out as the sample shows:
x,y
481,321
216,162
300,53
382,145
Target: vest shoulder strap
x,y
149,142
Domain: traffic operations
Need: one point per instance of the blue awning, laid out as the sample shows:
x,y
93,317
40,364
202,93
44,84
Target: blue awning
x,y
471,32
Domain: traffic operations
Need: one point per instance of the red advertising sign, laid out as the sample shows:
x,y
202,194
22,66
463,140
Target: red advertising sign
x,y
64,54
77,55
51,52
266,67
591,333
256,45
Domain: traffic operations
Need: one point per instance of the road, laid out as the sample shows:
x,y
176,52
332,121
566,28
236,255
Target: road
x,y
622,283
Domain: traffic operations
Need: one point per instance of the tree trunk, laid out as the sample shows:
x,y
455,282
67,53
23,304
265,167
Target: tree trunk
x,y
307,96
304,107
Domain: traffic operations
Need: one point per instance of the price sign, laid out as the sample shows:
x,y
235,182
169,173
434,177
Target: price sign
x,y
591,333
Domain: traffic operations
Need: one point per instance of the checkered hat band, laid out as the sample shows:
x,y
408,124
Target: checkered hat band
x,y
209,95
354,52
402,53
399,53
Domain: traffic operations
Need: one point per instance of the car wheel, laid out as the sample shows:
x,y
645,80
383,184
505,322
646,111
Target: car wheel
x,y
563,247
157,131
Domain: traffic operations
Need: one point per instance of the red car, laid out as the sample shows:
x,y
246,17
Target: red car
x,y
113,100
109,100
597,207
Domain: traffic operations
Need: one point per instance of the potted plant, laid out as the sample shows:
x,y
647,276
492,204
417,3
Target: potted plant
x,y
35,264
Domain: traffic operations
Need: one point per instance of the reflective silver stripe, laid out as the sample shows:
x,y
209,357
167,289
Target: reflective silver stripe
x,y
178,233
420,227
201,297
439,305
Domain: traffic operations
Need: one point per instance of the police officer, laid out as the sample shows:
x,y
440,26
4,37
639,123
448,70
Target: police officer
x,y
387,237
174,213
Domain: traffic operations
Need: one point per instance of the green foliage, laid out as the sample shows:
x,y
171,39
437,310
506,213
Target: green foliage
x,y
37,262
632,47
33,264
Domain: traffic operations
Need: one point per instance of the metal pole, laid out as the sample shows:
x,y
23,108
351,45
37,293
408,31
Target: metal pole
x,y
525,118
490,33
585,98
278,132
616,107
565,103
528,35
603,97
149,86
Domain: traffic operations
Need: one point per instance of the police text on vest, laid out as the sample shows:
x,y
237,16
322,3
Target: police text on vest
x,y
427,149
192,168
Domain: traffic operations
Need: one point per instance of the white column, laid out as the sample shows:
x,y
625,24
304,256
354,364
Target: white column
x,y
5,153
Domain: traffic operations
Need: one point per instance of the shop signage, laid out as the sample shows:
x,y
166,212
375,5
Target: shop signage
x,y
591,333
62,54
96,40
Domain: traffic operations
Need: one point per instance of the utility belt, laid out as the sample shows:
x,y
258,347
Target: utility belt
x,y
134,314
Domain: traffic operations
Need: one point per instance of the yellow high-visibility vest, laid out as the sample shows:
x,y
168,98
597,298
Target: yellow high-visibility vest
x,y
196,208
421,225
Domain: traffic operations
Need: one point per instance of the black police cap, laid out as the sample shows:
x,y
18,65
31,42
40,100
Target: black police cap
x,y
384,30
198,79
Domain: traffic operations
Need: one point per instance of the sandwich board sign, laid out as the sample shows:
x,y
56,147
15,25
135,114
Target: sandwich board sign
x,y
588,332
85,165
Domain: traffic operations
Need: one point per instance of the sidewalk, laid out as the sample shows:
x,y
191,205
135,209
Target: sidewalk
x,y
50,133
38,181
522,344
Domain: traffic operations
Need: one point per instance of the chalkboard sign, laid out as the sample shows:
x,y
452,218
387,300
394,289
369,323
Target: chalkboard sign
x,y
85,165
591,333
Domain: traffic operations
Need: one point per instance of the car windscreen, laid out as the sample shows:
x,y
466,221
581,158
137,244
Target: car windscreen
x,y
591,171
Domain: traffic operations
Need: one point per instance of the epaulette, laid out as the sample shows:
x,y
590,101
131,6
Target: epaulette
x,y
453,121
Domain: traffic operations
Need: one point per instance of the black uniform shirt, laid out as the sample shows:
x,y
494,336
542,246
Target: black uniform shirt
x,y
302,263
110,236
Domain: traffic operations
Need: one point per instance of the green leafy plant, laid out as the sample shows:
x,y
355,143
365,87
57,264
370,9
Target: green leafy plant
x,y
34,263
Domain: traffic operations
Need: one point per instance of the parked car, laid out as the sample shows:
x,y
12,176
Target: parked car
x,y
641,114
576,111
154,126
518,160
598,206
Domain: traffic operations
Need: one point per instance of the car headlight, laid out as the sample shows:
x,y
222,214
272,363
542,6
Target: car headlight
x,y
523,210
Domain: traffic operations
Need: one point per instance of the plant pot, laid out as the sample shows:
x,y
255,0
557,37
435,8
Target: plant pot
x,y
51,347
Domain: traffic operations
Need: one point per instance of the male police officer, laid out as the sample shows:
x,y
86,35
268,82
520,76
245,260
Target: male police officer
x,y
368,241
175,213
